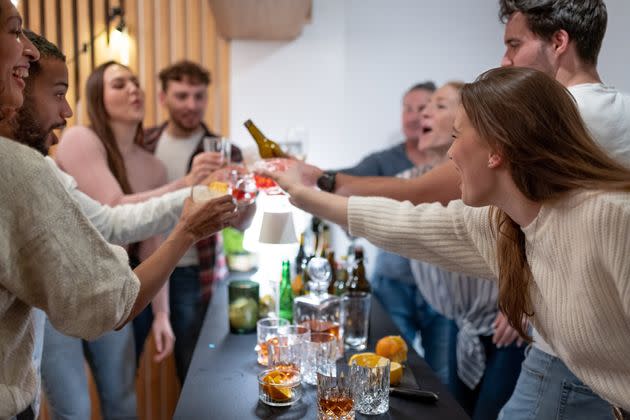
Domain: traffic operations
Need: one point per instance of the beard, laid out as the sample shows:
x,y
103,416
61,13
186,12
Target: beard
x,y
28,131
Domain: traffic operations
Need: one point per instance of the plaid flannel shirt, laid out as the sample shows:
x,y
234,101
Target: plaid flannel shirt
x,y
212,262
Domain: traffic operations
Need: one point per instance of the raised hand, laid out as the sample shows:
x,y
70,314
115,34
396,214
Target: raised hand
x,y
202,166
223,174
201,220
289,173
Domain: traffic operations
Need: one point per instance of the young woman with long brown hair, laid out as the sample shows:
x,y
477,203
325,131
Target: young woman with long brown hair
x,y
543,209
109,165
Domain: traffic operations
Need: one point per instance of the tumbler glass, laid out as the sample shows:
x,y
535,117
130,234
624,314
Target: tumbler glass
x,y
243,306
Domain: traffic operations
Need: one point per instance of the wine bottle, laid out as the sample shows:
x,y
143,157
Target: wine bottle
x,y
266,147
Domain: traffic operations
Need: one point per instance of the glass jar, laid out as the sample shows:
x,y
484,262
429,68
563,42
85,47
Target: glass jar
x,y
243,306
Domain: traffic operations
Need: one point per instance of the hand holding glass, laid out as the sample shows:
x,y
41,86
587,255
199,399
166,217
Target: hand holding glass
x,y
221,145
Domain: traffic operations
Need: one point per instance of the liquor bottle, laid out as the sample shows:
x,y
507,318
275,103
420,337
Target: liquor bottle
x,y
300,262
320,311
330,256
286,293
358,281
324,241
341,284
266,147
316,225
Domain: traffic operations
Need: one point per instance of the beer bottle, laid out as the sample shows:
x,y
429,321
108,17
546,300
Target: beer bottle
x,y
341,284
266,147
300,262
286,293
333,271
358,281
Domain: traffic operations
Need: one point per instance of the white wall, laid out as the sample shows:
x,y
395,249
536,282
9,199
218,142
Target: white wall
x,y
343,78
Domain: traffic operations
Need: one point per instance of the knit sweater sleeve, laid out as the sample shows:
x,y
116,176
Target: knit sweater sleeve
x,y
457,238
611,230
58,262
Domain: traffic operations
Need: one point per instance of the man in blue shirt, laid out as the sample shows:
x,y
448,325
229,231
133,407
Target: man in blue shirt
x,y
392,280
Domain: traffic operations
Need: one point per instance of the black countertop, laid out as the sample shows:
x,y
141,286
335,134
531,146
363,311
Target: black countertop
x,y
222,383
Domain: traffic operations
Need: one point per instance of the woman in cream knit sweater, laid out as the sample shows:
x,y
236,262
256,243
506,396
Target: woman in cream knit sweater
x,y
543,209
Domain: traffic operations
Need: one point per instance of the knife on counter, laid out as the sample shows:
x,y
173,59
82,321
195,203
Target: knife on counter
x,y
414,394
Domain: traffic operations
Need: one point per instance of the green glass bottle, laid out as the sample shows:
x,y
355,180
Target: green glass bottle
x,y
286,293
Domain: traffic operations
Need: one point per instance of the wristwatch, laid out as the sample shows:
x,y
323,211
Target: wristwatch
x,y
326,181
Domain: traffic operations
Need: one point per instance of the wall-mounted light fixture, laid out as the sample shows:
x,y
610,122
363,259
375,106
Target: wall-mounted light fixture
x,y
118,41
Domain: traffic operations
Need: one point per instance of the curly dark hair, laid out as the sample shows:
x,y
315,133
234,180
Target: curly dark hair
x,y
46,50
184,70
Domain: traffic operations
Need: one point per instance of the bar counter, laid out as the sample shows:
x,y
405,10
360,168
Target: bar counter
x,y
221,382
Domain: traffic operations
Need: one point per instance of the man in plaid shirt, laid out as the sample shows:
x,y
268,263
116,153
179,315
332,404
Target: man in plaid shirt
x,y
176,142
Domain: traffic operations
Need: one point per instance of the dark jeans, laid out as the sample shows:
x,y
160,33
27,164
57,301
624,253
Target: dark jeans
x,y
413,315
503,366
187,314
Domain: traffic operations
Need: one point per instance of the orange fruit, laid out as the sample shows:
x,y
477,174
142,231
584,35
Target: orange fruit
x,y
395,373
366,359
275,378
393,347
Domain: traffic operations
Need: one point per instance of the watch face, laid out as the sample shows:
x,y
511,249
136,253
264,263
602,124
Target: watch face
x,y
326,182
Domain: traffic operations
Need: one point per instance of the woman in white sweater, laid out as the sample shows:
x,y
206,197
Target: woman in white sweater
x,y
543,209
51,257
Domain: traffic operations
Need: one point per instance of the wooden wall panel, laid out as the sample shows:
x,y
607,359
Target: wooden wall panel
x,y
179,31
132,14
160,32
164,43
34,16
84,60
193,26
67,47
223,86
50,19
209,60
147,59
